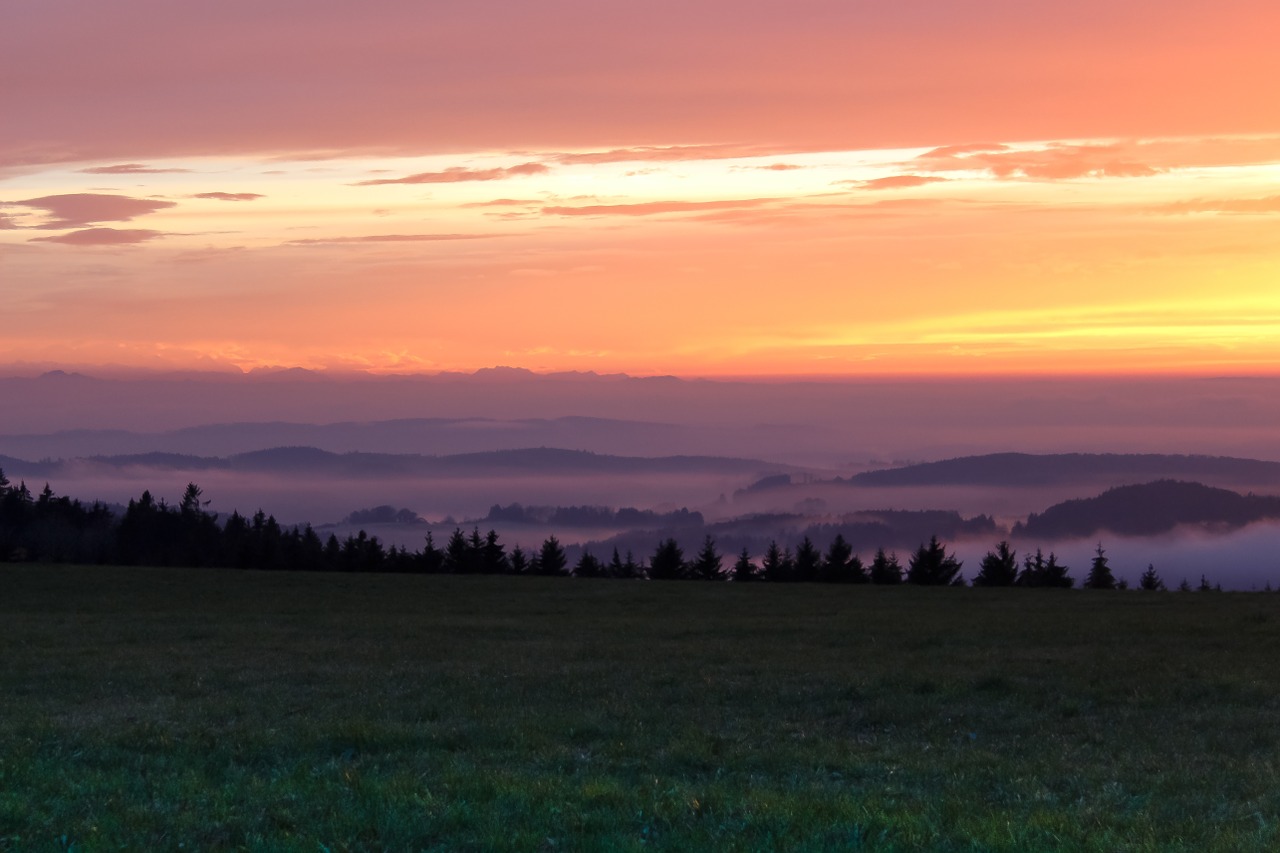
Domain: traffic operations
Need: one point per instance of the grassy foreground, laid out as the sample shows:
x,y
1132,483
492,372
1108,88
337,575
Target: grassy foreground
x,y
167,709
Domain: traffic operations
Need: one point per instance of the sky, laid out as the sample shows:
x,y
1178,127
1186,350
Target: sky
x,y
817,188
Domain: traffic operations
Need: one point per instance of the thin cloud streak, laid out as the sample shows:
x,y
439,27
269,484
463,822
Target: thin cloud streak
x,y
460,174
102,237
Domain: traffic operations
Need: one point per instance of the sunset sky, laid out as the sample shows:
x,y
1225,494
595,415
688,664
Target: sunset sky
x,y
709,189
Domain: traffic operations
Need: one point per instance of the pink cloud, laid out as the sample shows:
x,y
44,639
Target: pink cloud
x,y
961,150
504,202
128,169
1056,162
457,174
392,238
658,154
654,208
78,209
229,196
896,182
102,237
1269,204
780,167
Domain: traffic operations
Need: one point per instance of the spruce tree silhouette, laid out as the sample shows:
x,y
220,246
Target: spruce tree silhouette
x,y
885,568
1099,576
707,565
1150,580
667,562
998,568
551,559
931,565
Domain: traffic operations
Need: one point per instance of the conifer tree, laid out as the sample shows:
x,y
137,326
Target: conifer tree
x,y
1100,576
667,562
1150,580
931,565
551,559
998,568
840,565
519,562
776,565
744,570
885,568
808,560
588,566
707,565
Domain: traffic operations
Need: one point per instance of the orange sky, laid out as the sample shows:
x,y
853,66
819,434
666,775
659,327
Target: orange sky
x,y
737,189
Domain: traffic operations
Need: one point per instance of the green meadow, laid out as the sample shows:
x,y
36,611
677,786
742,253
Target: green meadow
x,y
201,709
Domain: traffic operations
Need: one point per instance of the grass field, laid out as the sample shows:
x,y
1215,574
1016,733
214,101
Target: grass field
x,y
154,709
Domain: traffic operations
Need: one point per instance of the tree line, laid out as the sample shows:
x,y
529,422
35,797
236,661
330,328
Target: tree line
x,y
49,528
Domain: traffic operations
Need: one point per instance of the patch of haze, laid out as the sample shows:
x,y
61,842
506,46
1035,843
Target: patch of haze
x,y
297,499
1243,559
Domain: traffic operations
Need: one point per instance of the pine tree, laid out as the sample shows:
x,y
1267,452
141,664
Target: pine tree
x,y
432,559
931,565
840,565
777,564
588,566
998,568
551,559
519,562
457,552
1150,580
667,562
1204,585
808,561
1100,576
707,565
744,570
885,568
493,556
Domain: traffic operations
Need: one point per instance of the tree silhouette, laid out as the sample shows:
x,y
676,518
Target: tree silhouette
x,y
457,553
588,566
744,570
931,565
998,568
1038,571
551,559
667,562
493,556
885,568
840,565
519,562
707,565
1099,576
808,561
1150,580
776,565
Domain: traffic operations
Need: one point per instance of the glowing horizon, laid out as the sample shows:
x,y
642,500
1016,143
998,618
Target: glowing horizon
x,y
1079,232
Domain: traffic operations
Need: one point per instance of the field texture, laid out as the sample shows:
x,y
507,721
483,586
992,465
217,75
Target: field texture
x,y
198,709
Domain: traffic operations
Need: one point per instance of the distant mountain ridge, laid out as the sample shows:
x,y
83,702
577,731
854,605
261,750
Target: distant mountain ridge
x,y
1149,509
1025,469
311,460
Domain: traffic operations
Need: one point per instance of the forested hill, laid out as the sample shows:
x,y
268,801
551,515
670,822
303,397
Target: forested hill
x,y
1149,509
1025,469
310,460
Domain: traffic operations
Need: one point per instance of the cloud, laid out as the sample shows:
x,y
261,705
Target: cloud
x,y
504,202
392,238
229,196
657,154
129,169
102,237
961,150
654,208
457,174
780,167
1060,161
896,182
75,210
6,222
1269,204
